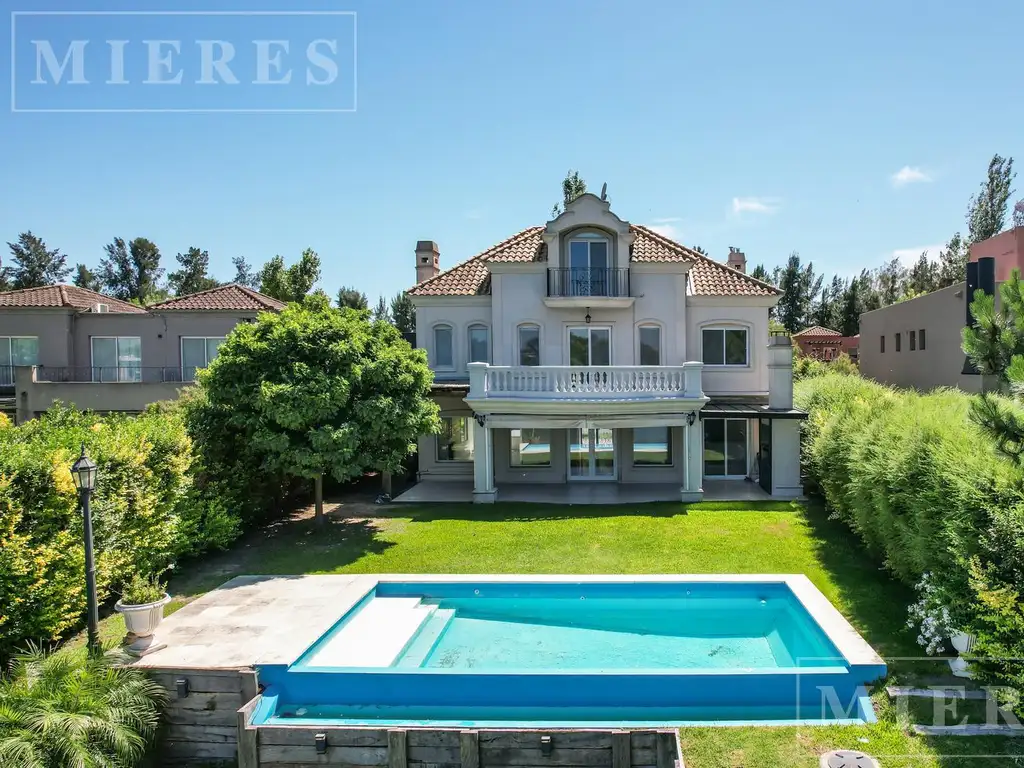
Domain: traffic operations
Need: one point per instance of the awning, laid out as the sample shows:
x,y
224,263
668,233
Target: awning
x,y
738,410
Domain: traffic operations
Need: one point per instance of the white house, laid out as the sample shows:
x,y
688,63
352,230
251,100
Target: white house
x,y
592,350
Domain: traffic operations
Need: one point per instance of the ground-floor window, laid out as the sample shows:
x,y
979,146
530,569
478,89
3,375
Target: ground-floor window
x,y
725,447
455,442
652,447
530,447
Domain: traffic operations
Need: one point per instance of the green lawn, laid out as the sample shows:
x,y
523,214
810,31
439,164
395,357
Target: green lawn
x,y
660,538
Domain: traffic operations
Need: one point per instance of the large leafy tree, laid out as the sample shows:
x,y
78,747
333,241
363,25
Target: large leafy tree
x,y
192,276
352,298
986,213
923,276
33,265
891,280
86,278
403,313
290,283
131,271
316,391
70,709
244,273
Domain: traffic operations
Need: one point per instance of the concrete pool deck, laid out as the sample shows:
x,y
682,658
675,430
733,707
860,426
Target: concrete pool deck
x,y
262,620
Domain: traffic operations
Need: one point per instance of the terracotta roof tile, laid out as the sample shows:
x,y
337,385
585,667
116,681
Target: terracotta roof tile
x,y
707,276
224,297
817,330
66,297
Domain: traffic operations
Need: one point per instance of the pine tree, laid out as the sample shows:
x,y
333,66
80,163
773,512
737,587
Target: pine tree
x,y
986,212
891,279
86,278
131,272
827,311
244,274
923,276
760,273
380,312
403,313
953,261
353,298
192,277
33,265
850,309
800,286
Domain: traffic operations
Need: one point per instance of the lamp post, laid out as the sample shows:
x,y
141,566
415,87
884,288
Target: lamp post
x,y
83,471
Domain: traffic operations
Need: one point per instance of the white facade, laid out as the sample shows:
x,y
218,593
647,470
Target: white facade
x,y
605,362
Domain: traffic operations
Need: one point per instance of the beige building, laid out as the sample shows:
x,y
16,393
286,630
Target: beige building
x,y
66,343
917,343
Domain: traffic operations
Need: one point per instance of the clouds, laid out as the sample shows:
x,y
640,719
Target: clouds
x,y
908,175
763,205
667,227
908,256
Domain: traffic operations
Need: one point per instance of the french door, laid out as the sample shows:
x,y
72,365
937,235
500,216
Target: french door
x,y
725,448
590,345
591,454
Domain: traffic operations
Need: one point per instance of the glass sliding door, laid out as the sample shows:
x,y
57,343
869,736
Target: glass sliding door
x,y
116,358
591,454
725,448
590,345
16,350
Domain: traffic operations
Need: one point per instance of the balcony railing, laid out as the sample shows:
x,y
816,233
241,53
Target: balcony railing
x,y
110,374
554,382
6,375
611,283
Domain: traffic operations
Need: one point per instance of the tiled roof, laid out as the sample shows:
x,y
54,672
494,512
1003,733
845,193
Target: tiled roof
x,y
707,276
817,330
224,297
66,297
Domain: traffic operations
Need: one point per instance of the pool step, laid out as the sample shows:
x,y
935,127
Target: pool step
x,y
424,642
376,635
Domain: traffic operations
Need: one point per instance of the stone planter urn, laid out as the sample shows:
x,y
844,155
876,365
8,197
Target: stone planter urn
x,y
963,643
141,622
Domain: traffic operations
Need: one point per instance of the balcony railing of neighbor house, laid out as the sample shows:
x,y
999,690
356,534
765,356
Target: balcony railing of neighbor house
x,y
547,382
6,375
110,374
612,283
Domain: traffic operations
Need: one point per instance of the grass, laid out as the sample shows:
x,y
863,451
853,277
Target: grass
x,y
761,537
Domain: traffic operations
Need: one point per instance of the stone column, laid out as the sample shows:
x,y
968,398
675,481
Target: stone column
x,y
693,471
484,491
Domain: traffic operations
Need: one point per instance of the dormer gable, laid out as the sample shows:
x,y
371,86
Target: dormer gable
x,y
588,218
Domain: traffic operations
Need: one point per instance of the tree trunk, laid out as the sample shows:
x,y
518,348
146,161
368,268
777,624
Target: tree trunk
x,y
318,500
385,482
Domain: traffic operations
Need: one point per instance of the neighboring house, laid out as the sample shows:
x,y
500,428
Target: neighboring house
x,y
918,343
825,344
592,350
66,343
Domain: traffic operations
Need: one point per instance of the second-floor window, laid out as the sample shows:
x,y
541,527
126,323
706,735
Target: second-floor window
x,y
650,345
529,345
16,350
589,260
590,345
724,346
479,346
116,358
443,354
197,352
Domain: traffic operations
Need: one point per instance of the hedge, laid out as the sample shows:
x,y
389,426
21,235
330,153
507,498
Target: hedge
x,y
146,514
926,492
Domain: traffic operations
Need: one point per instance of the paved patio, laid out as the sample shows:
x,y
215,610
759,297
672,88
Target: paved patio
x,y
455,492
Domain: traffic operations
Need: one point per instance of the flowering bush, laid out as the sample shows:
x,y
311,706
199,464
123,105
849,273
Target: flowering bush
x,y
930,616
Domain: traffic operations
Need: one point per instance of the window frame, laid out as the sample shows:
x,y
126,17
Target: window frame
x,y
206,353
468,438
589,237
476,325
920,339
527,467
639,343
451,366
899,346
723,328
519,344
881,349
913,340
117,354
589,328
668,443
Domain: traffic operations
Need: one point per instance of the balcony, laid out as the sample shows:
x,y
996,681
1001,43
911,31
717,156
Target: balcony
x,y
109,374
603,287
549,388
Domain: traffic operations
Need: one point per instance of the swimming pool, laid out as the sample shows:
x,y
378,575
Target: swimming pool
x,y
556,651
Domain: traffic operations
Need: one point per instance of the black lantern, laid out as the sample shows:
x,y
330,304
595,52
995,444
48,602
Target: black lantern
x,y
84,473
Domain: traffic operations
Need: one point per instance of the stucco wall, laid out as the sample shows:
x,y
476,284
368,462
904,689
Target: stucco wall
x,y
459,314
751,379
51,326
941,314
505,473
628,473
1007,248
33,398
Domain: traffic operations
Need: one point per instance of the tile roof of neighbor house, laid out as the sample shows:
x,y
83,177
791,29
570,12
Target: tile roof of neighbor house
x,y
707,276
66,297
224,297
817,330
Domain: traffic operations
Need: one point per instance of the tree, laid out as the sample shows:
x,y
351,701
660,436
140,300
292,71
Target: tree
x,y
828,310
698,249
953,261
799,287
572,187
923,276
290,283
380,312
352,298
851,306
33,265
760,273
403,313
891,280
86,278
67,708
192,276
131,272
315,390
244,274
986,212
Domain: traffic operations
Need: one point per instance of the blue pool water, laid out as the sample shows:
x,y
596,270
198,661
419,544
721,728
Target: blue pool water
x,y
657,652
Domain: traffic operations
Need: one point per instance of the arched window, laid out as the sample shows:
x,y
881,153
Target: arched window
x,y
529,344
479,344
443,354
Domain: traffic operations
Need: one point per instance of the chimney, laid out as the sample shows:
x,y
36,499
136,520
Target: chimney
x,y
981,275
737,260
428,260
780,372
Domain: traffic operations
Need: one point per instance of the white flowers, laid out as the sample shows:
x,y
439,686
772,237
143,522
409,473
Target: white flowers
x,y
930,616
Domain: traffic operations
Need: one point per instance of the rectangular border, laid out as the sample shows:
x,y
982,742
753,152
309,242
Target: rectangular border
x,y
355,61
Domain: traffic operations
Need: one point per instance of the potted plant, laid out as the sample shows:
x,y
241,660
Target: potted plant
x,y
142,606
935,615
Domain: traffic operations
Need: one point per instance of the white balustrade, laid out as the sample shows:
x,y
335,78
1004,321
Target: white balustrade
x,y
552,382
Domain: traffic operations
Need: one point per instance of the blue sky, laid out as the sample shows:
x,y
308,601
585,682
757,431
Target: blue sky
x,y
845,131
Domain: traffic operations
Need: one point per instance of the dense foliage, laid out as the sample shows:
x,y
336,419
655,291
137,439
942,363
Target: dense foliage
x,y
70,709
927,493
146,514
806,367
